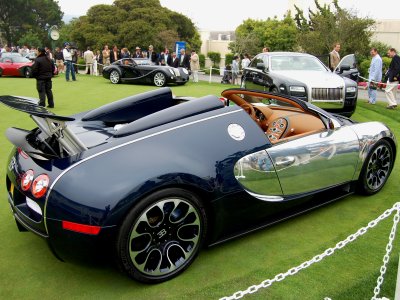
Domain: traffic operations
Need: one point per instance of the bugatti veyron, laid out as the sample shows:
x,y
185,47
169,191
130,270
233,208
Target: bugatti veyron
x,y
155,177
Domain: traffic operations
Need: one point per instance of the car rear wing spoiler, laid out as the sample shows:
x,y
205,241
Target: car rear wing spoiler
x,y
51,126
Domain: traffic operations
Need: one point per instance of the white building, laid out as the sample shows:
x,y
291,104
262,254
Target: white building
x,y
216,41
388,32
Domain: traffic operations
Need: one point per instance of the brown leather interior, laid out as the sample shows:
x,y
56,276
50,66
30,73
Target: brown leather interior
x,y
279,123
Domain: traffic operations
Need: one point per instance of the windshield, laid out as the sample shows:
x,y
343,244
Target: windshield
x,y
296,63
20,59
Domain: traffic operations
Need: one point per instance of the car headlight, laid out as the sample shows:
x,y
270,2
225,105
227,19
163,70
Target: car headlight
x,y
185,71
297,89
350,89
171,71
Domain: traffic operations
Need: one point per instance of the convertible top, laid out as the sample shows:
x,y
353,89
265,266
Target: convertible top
x,y
132,108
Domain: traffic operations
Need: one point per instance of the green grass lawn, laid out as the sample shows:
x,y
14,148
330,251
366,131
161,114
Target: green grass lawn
x,y
28,270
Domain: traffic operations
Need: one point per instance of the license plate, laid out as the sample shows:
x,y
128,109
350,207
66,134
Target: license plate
x,y
12,190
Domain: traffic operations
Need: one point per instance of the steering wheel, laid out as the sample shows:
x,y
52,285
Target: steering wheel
x,y
250,110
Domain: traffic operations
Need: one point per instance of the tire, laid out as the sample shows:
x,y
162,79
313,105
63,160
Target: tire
x,y
274,90
159,79
376,168
161,235
27,73
115,78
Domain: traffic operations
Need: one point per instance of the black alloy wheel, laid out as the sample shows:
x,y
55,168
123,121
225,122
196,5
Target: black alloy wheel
x,y
377,168
27,72
161,236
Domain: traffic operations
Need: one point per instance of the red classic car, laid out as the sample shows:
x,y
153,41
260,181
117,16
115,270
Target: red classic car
x,y
13,64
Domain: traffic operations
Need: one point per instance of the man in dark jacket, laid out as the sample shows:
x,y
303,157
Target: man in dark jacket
x,y
393,79
42,70
184,59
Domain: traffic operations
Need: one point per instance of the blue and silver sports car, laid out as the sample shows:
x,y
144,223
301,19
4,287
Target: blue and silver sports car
x,y
152,178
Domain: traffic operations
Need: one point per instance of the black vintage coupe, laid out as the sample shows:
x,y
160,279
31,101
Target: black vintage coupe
x,y
141,70
304,76
152,178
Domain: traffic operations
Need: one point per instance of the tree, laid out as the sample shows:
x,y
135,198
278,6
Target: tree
x,y
327,26
253,35
30,38
19,16
131,23
215,57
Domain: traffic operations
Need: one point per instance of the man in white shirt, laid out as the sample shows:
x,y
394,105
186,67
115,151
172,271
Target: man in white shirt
x,y
68,62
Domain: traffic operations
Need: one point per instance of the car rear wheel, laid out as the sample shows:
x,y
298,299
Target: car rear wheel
x,y
27,72
159,79
161,236
376,169
115,77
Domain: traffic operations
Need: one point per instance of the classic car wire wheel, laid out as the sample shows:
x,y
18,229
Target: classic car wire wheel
x,y
161,239
114,77
379,167
159,79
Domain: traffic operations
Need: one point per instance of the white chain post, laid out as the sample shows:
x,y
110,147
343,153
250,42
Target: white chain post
x,y
389,248
317,258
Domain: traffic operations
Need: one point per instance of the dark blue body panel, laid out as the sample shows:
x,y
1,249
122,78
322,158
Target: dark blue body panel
x,y
185,153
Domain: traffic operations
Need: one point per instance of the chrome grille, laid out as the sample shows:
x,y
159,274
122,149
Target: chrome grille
x,y
327,94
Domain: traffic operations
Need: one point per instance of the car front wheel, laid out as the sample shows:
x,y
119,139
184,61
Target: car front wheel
x,y
376,169
27,72
161,235
159,79
115,77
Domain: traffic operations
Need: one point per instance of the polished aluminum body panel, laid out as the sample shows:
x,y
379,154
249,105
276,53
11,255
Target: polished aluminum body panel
x,y
317,161
369,134
257,174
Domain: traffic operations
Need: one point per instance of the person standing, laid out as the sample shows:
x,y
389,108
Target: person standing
x,y
375,75
152,55
393,75
88,56
334,57
245,61
59,60
235,69
106,56
115,54
42,70
68,62
195,66
184,60
174,60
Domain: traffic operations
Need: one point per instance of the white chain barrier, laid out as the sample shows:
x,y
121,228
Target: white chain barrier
x,y
351,238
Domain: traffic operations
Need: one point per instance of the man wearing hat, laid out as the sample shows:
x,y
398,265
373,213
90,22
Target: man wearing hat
x,y
42,70
68,62
138,53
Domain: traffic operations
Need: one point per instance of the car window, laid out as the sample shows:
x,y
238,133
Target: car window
x,y
259,59
296,63
142,62
256,100
20,59
349,60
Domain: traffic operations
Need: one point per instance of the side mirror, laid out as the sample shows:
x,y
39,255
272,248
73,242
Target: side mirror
x,y
344,68
261,66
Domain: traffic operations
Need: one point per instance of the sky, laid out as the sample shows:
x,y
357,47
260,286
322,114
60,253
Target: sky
x,y
228,14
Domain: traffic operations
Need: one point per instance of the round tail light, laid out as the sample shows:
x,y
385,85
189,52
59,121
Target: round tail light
x,y
26,180
40,185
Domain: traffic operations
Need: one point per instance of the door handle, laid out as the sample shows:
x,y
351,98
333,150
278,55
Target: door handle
x,y
285,161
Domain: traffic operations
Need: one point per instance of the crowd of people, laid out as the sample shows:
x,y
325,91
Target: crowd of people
x,y
96,60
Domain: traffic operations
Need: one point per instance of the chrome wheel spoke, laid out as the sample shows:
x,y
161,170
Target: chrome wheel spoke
x,y
164,236
378,167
